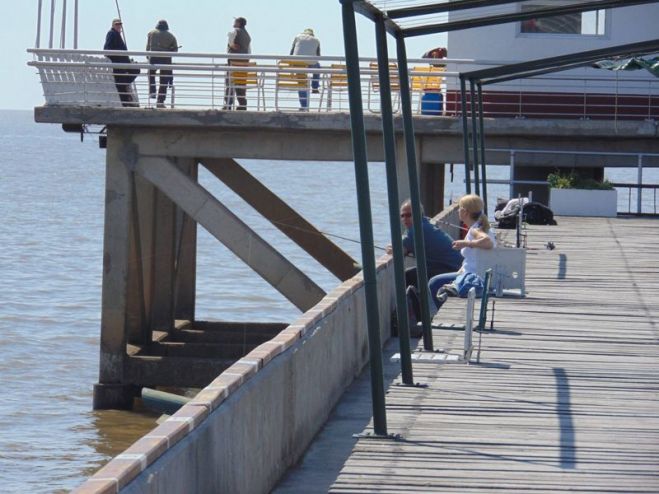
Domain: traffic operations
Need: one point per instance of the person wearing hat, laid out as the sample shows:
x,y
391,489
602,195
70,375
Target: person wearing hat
x,y
160,39
123,77
306,44
239,41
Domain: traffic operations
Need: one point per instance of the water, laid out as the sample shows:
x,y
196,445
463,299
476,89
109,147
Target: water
x,y
51,205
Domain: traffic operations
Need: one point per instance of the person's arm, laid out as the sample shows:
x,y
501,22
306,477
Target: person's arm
x,y
293,46
148,42
174,45
481,241
318,50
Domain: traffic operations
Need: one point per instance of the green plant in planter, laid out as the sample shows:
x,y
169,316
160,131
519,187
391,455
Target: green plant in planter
x,y
574,181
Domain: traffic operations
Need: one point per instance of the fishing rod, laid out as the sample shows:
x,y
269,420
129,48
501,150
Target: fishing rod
x,y
123,31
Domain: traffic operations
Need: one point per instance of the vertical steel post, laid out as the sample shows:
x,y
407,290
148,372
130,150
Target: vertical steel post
x,y
474,136
52,23
639,192
365,220
512,174
394,201
62,39
39,9
75,25
419,247
481,133
465,133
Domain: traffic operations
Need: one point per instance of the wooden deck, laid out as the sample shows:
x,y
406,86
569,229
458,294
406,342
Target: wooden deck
x,y
565,398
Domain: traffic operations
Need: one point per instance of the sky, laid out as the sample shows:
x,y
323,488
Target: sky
x,y
199,26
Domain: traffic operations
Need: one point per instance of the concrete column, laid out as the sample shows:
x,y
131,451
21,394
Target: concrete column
x,y
110,392
185,280
431,179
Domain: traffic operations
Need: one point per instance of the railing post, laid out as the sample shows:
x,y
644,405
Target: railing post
x,y
474,136
639,192
481,132
410,147
394,201
465,133
512,173
365,220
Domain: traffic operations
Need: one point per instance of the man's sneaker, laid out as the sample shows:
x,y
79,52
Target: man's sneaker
x,y
441,298
450,289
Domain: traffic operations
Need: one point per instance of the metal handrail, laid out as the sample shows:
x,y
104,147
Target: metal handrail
x,y
199,79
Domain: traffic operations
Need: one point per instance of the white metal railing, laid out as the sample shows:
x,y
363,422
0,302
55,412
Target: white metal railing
x,y
621,157
274,83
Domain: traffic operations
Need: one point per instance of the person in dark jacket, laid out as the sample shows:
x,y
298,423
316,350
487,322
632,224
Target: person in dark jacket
x,y
160,39
239,42
123,77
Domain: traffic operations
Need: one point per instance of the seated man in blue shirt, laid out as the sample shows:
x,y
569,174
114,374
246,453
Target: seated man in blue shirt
x,y
441,257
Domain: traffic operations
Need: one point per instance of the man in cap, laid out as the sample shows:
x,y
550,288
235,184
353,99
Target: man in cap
x,y
160,39
123,77
307,45
239,42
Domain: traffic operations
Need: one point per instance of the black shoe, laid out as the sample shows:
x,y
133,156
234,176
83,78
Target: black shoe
x,y
441,298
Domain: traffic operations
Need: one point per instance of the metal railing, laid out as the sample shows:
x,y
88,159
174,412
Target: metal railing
x,y
274,83
639,186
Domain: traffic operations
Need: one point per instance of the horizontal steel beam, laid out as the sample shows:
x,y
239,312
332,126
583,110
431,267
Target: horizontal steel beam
x,y
439,8
519,16
557,62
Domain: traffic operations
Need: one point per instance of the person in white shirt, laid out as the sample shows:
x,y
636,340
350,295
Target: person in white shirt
x,y
306,44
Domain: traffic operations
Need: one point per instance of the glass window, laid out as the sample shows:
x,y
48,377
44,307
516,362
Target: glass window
x,y
581,23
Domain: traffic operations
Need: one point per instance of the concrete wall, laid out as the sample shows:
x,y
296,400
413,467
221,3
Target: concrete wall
x,y
243,431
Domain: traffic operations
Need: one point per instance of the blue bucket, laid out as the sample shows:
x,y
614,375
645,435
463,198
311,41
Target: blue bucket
x,y
432,103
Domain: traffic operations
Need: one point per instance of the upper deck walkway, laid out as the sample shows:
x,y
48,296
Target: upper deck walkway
x,y
565,398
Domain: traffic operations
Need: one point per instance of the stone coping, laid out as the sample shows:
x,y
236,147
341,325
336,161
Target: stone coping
x,y
125,467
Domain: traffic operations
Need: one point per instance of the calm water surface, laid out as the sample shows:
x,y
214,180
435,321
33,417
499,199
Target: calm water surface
x,y
51,205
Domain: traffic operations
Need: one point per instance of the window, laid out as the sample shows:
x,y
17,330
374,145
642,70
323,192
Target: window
x,y
581,23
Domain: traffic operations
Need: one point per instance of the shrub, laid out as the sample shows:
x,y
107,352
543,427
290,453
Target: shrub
x,y
574,181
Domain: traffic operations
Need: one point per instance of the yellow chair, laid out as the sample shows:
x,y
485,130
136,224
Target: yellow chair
x,y
426,79
337,82
250,79
291,81
374,86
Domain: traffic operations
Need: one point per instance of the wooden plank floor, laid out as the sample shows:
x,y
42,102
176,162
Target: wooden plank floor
x,y
565,398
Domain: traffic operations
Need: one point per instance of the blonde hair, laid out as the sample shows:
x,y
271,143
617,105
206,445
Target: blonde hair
x,y
473,204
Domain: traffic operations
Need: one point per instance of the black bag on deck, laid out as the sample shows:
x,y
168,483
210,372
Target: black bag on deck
x,y
534,214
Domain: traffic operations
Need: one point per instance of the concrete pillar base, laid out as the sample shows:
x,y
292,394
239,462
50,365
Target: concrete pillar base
x,y
114,396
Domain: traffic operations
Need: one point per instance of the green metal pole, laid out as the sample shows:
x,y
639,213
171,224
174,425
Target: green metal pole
x,y
465,133
365,220
479,87
474,136
394,200
419,247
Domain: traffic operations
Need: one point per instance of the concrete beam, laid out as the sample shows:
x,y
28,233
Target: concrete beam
x,y
231,231
285,218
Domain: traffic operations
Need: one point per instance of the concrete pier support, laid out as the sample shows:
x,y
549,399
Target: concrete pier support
x,y
149,334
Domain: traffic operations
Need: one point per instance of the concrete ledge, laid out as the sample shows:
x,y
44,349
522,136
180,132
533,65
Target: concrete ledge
x,y
247,427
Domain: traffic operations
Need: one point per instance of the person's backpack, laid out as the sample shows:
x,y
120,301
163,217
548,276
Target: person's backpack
x,y
534,214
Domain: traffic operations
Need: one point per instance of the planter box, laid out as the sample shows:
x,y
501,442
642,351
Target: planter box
x,y
583,202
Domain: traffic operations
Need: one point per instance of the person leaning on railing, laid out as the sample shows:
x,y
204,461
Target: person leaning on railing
x,y
479,236
123,77
160,39
306,44
239,42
